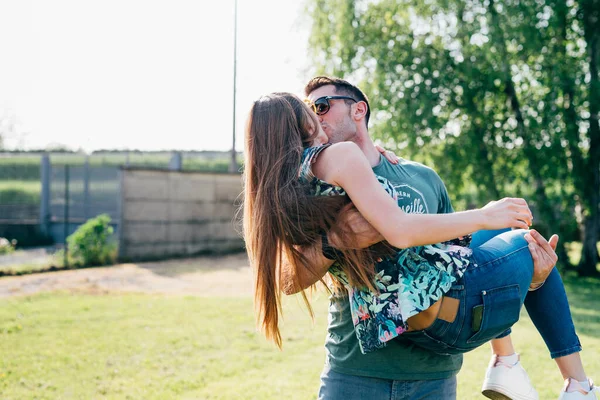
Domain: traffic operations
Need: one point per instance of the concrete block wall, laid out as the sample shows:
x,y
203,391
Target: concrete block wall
x,y
167,214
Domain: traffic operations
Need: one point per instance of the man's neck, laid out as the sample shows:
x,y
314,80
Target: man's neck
x,y
368,148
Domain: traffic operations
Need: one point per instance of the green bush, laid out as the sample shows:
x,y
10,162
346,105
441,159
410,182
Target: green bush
x,y
91,244
7,246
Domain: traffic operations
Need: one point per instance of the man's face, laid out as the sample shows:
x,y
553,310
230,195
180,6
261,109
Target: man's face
x,y
337,122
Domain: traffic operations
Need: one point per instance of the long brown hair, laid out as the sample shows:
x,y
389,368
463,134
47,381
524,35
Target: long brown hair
x,y
280,216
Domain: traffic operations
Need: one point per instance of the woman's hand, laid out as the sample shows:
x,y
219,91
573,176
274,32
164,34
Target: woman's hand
x,y
389,155
508,212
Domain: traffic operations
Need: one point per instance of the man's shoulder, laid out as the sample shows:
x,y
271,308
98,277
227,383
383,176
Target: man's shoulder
x,y
414,164
417,167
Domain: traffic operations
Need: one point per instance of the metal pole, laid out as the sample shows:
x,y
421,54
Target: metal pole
x,y
233,165
46,175
66,223
86,188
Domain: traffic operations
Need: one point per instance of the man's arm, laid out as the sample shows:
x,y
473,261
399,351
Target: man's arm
x,y
364,233
305,276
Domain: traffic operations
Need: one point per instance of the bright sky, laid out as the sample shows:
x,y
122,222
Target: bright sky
x,y
144,74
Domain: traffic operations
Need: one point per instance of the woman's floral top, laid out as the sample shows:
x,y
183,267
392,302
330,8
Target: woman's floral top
x,y
409,282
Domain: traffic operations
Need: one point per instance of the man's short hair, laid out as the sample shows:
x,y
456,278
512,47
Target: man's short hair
x,y
342,87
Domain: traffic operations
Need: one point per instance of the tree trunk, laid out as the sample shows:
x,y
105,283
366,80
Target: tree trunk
x,y
589,254
487,169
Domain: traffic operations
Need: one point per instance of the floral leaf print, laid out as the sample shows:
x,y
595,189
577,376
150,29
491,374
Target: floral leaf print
x,y
384,296
376,308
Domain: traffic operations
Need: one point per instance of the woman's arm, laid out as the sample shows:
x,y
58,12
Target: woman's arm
x,y
345,165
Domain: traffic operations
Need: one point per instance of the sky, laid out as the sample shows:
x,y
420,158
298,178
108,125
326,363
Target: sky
x,y
143,74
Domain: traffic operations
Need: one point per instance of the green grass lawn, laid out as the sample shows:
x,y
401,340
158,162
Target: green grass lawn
x,y
84,346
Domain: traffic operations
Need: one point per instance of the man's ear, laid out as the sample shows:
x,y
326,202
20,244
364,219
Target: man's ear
x,y
360,110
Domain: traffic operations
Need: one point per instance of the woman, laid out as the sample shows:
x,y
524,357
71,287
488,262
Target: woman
x,y
295,187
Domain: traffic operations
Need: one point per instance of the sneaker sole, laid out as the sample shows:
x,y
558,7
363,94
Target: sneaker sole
x,y
496,394
492,394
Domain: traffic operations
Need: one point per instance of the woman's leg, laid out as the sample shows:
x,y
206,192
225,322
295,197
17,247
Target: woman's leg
x,y
490,295
502,346
494,291
560,337
546,307
480,237
500,282
505,375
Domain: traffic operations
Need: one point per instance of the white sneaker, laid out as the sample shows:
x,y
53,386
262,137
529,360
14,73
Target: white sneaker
x,y
507,382
577,392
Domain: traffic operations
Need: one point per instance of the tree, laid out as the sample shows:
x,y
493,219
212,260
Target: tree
x,y
500,95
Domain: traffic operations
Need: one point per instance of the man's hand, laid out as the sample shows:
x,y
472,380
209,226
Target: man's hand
x,y
365,236
363,232
543,254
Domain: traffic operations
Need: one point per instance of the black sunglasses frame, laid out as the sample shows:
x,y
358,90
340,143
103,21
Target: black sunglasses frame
x,y
324,101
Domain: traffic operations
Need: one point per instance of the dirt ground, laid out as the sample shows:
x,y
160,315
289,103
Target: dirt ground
x,y
203,276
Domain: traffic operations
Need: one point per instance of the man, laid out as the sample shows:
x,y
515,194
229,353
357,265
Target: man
x,y
401,370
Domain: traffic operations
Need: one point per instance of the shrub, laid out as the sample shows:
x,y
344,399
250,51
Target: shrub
x,y
7,246
91,244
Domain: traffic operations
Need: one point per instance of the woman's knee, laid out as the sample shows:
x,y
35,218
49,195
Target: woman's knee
x,y
480,237
524,261
509,250
518,234
507,242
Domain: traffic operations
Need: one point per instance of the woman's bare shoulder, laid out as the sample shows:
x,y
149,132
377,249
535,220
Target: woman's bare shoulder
x,y
339,160
341,151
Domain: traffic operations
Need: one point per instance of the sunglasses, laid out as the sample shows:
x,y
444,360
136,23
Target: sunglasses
x,y
321,105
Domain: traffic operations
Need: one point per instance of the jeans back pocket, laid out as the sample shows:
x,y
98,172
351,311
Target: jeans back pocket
x,y
501,310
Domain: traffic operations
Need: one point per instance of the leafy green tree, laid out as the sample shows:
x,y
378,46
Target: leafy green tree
x,y
501,96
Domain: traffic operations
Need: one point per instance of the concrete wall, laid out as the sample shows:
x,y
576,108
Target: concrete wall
x,y
176,214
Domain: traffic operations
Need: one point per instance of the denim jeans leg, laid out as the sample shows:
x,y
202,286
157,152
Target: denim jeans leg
x,y
499,283
549,310
561,339
480,237
439,389
477,239
500,279
338,386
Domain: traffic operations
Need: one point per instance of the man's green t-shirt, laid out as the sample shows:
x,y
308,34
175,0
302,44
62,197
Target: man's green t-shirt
x,y
420,190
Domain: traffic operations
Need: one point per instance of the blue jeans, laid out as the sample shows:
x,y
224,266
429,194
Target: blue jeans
x,y
497,287
337,386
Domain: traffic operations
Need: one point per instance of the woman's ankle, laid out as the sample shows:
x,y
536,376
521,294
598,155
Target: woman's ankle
x,y
574,385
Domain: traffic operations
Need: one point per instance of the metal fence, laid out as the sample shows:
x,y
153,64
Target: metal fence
x,y
72,194
45,197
